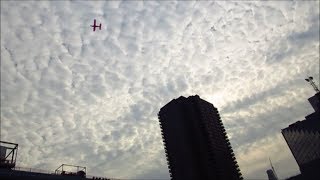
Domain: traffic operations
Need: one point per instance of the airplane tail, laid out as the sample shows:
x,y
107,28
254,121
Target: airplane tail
x,y
99,26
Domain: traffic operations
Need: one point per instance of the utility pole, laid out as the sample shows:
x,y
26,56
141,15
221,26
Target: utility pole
x,y
310,80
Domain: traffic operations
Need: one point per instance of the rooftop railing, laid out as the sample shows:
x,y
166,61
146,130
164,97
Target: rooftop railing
x,y
42,171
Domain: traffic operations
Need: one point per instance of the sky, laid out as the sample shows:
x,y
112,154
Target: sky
x,y
74,96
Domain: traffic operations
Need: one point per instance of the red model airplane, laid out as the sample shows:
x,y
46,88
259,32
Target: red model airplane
x,y
95,26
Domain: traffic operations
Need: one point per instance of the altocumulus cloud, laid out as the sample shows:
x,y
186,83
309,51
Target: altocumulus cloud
x,y
71,95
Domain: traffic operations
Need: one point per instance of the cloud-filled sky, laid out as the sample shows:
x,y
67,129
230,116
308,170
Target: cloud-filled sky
x,y
71,95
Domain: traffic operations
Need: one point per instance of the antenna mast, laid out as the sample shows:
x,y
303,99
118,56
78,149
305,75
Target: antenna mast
x,y
273,169
310,80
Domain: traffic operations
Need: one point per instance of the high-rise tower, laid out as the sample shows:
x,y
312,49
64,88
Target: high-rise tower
x,y
195,140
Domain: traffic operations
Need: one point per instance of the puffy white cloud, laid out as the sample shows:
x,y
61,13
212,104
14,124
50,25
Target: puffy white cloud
x,y
71,95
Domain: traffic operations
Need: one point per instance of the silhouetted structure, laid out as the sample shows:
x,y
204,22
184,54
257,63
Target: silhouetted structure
x,y
9,171
8,154
195,140
303,139
81,171
310,80
271,175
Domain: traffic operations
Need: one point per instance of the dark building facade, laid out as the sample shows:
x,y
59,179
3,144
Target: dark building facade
x,y
303,139
196,142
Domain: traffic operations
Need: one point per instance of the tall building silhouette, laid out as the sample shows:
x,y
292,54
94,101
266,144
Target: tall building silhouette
x,y
303,139
196,142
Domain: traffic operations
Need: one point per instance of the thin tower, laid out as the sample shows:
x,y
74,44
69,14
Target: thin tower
x,y
275,174
310,80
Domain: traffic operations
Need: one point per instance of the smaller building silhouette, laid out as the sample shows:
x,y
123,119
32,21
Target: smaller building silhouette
x,y
303,139
271,175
